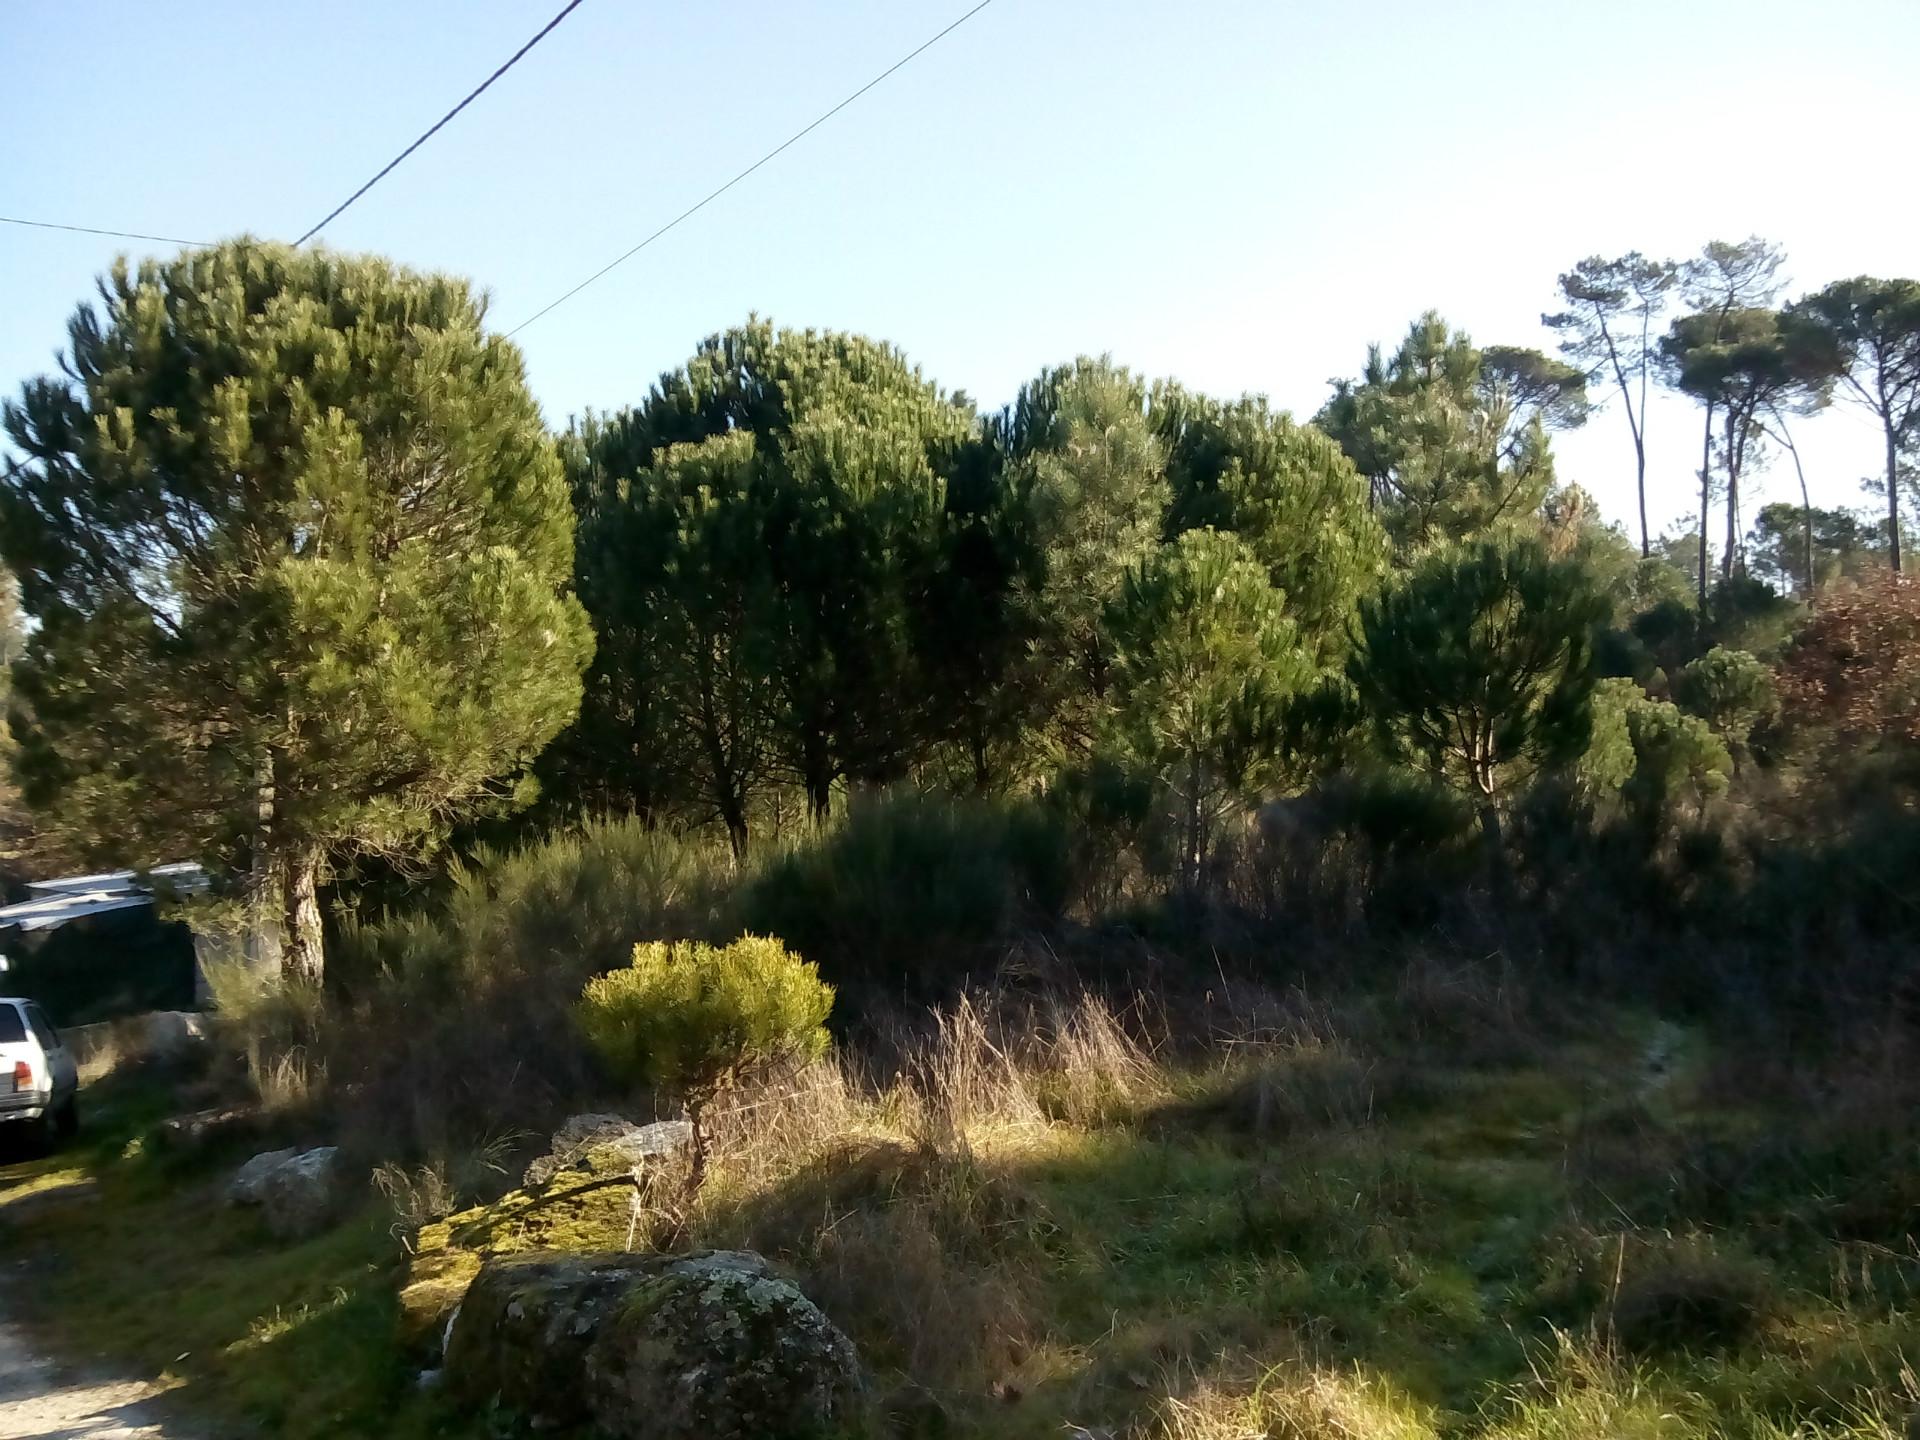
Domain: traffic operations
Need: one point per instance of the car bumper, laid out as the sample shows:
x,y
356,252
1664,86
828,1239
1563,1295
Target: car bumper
x,y
26,1107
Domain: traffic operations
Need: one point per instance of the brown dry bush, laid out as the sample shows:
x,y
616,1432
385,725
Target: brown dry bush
x,y
874,1194
1689,1303
1855,665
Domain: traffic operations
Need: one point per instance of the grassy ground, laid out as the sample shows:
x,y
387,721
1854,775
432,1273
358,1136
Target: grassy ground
x,y
1602,1230
133,1261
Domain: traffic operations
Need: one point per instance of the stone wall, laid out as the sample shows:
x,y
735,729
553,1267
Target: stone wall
x,y
98,1049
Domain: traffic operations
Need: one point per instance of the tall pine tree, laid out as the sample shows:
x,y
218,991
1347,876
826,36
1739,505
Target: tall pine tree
x,y
1294,499
1453,439
840,485
297,544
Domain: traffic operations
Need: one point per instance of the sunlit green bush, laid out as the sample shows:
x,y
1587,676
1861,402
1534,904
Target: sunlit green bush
x,y
694,1019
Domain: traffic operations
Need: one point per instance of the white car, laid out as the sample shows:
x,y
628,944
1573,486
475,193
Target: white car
x,y
39,1083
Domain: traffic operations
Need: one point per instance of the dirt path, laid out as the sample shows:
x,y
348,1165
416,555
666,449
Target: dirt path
x,y
40,1400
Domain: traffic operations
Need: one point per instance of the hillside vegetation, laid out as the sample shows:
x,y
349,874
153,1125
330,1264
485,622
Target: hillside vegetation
x,y
1164,919
1448,1209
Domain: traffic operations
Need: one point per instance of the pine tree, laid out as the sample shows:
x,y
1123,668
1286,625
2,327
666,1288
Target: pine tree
x,y
1726,277
1741,366
1454,440
1290,494
1608,327
1866,332
1479,666
1204,662
297,545
623,755
713,609
1090,474
844,500
976,637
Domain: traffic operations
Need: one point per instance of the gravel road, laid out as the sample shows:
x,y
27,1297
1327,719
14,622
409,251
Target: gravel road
x,y
40,1400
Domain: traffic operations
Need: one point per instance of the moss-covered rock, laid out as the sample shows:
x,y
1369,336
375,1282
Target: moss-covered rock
x,y
709,1346
520,1340
435,1284
586,1213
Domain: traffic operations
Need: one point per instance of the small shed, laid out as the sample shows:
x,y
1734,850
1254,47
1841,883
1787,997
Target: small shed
x,y
94,947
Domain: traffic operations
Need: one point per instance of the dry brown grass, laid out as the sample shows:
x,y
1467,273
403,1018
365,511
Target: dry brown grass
x,y
1293,1401
422,1194
961,1076
1088,1069
890,1195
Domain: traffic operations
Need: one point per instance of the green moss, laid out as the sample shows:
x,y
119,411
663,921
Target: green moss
x,y
577,1213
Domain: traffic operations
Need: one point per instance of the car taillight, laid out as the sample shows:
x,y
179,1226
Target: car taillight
x,y
22,1076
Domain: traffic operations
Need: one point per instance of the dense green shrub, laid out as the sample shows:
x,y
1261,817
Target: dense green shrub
x,y
1731,690
1102,815
1847,871
1679,764
576,901
694,1019
1478,668
104,966
1384,848
1663,763
454,1026
910,890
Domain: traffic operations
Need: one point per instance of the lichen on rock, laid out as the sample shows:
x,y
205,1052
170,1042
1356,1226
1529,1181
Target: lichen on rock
x,y
712,1345
596,1143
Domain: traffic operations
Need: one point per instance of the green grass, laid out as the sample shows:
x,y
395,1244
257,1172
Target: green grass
x,y
151,1274
1573,1246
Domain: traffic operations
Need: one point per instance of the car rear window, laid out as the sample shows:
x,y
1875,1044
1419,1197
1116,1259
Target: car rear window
x,y
12,1030
42,1028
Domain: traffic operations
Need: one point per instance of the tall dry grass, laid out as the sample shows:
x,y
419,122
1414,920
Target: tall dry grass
x,y
1292,1401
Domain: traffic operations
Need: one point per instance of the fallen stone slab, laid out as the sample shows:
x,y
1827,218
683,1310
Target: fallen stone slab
x,y
607,1143
248,1185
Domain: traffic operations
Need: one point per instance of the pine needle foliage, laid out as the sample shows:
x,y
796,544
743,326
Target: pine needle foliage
x,y
297,545
695,1019
1479,667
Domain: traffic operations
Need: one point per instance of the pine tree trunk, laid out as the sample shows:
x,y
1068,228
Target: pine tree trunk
x,y
265,943
728,788
1492,843
1734,457
1640,429
1493,846
1706,500
1806,513
1195,834
1640,477
817,779
736,823
1893,499
305,956
697,1153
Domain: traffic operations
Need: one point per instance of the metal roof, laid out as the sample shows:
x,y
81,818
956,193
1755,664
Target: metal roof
x,y
181,875
73,897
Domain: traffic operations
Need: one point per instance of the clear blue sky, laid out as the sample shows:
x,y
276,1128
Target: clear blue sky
x,y
1240,193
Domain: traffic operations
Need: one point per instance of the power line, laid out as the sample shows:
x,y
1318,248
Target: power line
x,y
89,230
512,60
545,30
791,140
